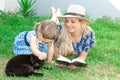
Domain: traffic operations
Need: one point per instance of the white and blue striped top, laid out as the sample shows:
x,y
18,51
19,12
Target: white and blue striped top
x,y
22,43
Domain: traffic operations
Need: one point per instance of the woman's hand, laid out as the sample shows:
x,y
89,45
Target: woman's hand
x,y
73,67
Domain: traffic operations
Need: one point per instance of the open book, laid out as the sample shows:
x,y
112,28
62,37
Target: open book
x,y
67,62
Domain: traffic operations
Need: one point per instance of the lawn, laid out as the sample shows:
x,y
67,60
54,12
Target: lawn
x,y
103,60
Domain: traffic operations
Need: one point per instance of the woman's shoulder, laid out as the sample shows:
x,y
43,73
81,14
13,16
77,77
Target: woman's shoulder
x,y
88,31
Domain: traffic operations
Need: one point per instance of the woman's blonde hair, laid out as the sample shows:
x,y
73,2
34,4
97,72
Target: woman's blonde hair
x,y
48,29
64,43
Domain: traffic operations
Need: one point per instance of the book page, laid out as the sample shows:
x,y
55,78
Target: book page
x,y
77,60
61,58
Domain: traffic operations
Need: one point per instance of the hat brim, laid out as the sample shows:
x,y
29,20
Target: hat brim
x,y
86,20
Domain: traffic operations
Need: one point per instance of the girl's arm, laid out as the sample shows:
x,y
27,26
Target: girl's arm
x,y
35,50
50,51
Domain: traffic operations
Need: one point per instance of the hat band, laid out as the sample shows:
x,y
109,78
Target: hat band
x,y
75,14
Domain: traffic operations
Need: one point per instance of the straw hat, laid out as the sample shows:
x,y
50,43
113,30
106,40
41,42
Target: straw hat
x,y
76,11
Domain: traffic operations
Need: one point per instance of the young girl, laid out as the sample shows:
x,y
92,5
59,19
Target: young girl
x,y
76,37
39,42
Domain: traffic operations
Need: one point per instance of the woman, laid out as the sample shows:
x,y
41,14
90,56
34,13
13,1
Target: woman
x,y
76,37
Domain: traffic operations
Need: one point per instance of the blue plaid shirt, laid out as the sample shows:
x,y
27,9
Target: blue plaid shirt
x,y
84,44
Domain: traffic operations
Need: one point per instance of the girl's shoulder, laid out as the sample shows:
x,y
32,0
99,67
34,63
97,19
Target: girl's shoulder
x,y
31,33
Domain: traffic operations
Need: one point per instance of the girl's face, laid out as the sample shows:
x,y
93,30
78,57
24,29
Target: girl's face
x,y
73,24
41,38
46,40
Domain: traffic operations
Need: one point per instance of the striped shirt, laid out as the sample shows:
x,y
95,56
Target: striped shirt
x,y
22,43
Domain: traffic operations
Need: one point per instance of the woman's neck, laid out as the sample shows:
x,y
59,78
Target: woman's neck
x,y
76,36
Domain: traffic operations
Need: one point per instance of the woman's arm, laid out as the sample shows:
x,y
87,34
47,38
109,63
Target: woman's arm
x,y
83,55
88,43
35,50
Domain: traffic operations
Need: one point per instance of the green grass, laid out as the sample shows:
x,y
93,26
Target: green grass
x,y
103,60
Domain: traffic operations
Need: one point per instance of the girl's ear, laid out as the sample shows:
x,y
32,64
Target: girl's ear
x,y
37,26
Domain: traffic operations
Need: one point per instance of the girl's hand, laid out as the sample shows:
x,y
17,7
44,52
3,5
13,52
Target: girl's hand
x,y
42,56
51,62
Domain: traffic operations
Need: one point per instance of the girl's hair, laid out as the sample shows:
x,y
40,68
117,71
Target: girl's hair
x,y
48,29
64,43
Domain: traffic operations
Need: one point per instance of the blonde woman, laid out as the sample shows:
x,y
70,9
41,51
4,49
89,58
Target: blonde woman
x,y
76,38
39,42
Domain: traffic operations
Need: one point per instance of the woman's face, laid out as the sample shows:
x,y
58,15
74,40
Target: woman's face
x,y
73,24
